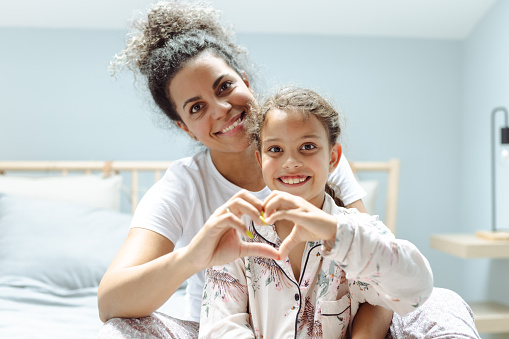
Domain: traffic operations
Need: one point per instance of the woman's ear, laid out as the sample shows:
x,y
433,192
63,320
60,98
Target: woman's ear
x,y
183,127
246,80
335,155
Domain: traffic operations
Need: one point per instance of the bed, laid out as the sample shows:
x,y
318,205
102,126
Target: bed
x,y
61,223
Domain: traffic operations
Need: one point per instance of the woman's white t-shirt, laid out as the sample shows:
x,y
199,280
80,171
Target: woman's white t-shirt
x,y
179,204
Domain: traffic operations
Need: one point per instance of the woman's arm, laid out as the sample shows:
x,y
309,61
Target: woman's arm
x,y
146,271
359,205
143,275
371,322
345,185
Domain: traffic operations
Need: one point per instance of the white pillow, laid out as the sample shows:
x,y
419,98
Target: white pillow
x,y
60,245
88,190
371,188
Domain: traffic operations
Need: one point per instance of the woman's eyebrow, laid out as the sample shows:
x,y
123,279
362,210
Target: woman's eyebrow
x,y
218,80
214,85
190,100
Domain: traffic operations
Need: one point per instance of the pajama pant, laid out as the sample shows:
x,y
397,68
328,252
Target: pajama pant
x,y
444,315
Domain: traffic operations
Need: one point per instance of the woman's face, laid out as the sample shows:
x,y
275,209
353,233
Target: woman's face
x,y
212,100
295,155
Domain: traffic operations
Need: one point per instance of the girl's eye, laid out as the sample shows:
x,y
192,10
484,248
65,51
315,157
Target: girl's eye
x,y
307,147
275,149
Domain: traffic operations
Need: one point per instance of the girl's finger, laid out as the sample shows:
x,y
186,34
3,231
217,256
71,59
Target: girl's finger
x,y
288,244
278,200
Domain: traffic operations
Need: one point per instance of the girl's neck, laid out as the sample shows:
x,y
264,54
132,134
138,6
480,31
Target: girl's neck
x,y
240,168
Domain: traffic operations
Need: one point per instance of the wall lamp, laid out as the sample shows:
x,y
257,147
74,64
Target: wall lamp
x,y
503,156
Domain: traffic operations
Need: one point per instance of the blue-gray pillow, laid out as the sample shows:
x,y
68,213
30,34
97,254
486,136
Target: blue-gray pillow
x,y
57,244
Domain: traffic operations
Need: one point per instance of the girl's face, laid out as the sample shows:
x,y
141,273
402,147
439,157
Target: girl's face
x,y
212,100
295,155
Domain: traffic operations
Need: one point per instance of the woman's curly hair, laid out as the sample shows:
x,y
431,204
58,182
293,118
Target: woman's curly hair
x,y
171,34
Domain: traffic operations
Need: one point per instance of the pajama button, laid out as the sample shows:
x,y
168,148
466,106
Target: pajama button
x,y
296,296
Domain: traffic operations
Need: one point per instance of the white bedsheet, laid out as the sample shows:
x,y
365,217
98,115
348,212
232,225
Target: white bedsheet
x,y
33,312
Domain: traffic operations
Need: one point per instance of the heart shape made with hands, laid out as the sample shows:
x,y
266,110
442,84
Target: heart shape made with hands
x,y
307,222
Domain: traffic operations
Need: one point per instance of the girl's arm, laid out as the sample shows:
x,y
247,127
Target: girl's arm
x,y
398,275
363,246
224,311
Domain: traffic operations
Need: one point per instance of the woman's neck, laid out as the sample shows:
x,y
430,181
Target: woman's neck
x,y
240,168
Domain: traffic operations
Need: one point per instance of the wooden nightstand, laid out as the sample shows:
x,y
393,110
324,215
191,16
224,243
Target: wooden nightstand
x,y
490,317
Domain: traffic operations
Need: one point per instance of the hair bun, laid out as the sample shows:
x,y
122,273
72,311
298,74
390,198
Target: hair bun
x,y
163,21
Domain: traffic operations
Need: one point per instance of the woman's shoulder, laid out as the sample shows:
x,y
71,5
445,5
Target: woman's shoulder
x,y
195,167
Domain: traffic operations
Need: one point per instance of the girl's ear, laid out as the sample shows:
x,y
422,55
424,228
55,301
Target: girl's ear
x,y
183,127
259,158
335,155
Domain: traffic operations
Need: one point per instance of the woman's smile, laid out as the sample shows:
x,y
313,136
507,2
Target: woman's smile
x,y
233,126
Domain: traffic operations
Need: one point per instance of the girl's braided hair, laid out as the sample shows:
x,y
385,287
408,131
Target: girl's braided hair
x,y
170,35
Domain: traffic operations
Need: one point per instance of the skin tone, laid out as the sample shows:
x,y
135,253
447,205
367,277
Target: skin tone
x,y
210,98
296,157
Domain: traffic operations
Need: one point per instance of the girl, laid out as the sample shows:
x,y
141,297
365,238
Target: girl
x,y
331,258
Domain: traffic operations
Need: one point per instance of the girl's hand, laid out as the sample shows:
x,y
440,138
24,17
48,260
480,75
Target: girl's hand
x,y
218,241
311,223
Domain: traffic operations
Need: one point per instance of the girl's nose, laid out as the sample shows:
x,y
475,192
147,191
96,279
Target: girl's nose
x,y
292,162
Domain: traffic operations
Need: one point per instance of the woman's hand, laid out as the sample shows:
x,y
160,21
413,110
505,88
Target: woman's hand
x,y
218,241
311,223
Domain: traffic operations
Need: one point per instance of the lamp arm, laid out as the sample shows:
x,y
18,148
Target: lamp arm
x,y
493,172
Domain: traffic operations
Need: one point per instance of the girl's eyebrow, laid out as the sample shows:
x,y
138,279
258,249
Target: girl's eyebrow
x,y
310,136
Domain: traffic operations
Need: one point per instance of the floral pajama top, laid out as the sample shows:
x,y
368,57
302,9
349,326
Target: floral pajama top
x,y
255,297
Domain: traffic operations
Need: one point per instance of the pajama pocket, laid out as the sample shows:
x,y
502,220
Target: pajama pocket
x,y
334,317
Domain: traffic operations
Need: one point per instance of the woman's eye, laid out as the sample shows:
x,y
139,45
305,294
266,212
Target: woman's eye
x,y
195,108
225,85
275,149
307,147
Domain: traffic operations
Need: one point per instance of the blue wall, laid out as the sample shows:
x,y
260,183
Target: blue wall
x,y
485,79
426,102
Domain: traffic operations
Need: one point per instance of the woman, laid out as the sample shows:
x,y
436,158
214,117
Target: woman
x,y
196,75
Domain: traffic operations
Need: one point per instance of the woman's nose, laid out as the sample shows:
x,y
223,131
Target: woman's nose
x,y
221,109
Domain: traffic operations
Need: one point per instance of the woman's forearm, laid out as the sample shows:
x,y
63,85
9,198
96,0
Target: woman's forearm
x,y
138,291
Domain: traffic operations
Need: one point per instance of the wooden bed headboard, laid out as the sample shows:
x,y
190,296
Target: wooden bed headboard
x,y
159,167
392,169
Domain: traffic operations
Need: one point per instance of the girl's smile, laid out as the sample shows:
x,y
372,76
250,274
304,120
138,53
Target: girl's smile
x,y
294,180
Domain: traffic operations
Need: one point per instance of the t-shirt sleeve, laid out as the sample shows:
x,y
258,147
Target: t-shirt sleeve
x,y
164,207
344,183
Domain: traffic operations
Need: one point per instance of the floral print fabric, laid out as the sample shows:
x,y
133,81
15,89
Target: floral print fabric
x,y
256,297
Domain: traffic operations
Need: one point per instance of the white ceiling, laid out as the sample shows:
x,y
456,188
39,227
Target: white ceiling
x,y
434,19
